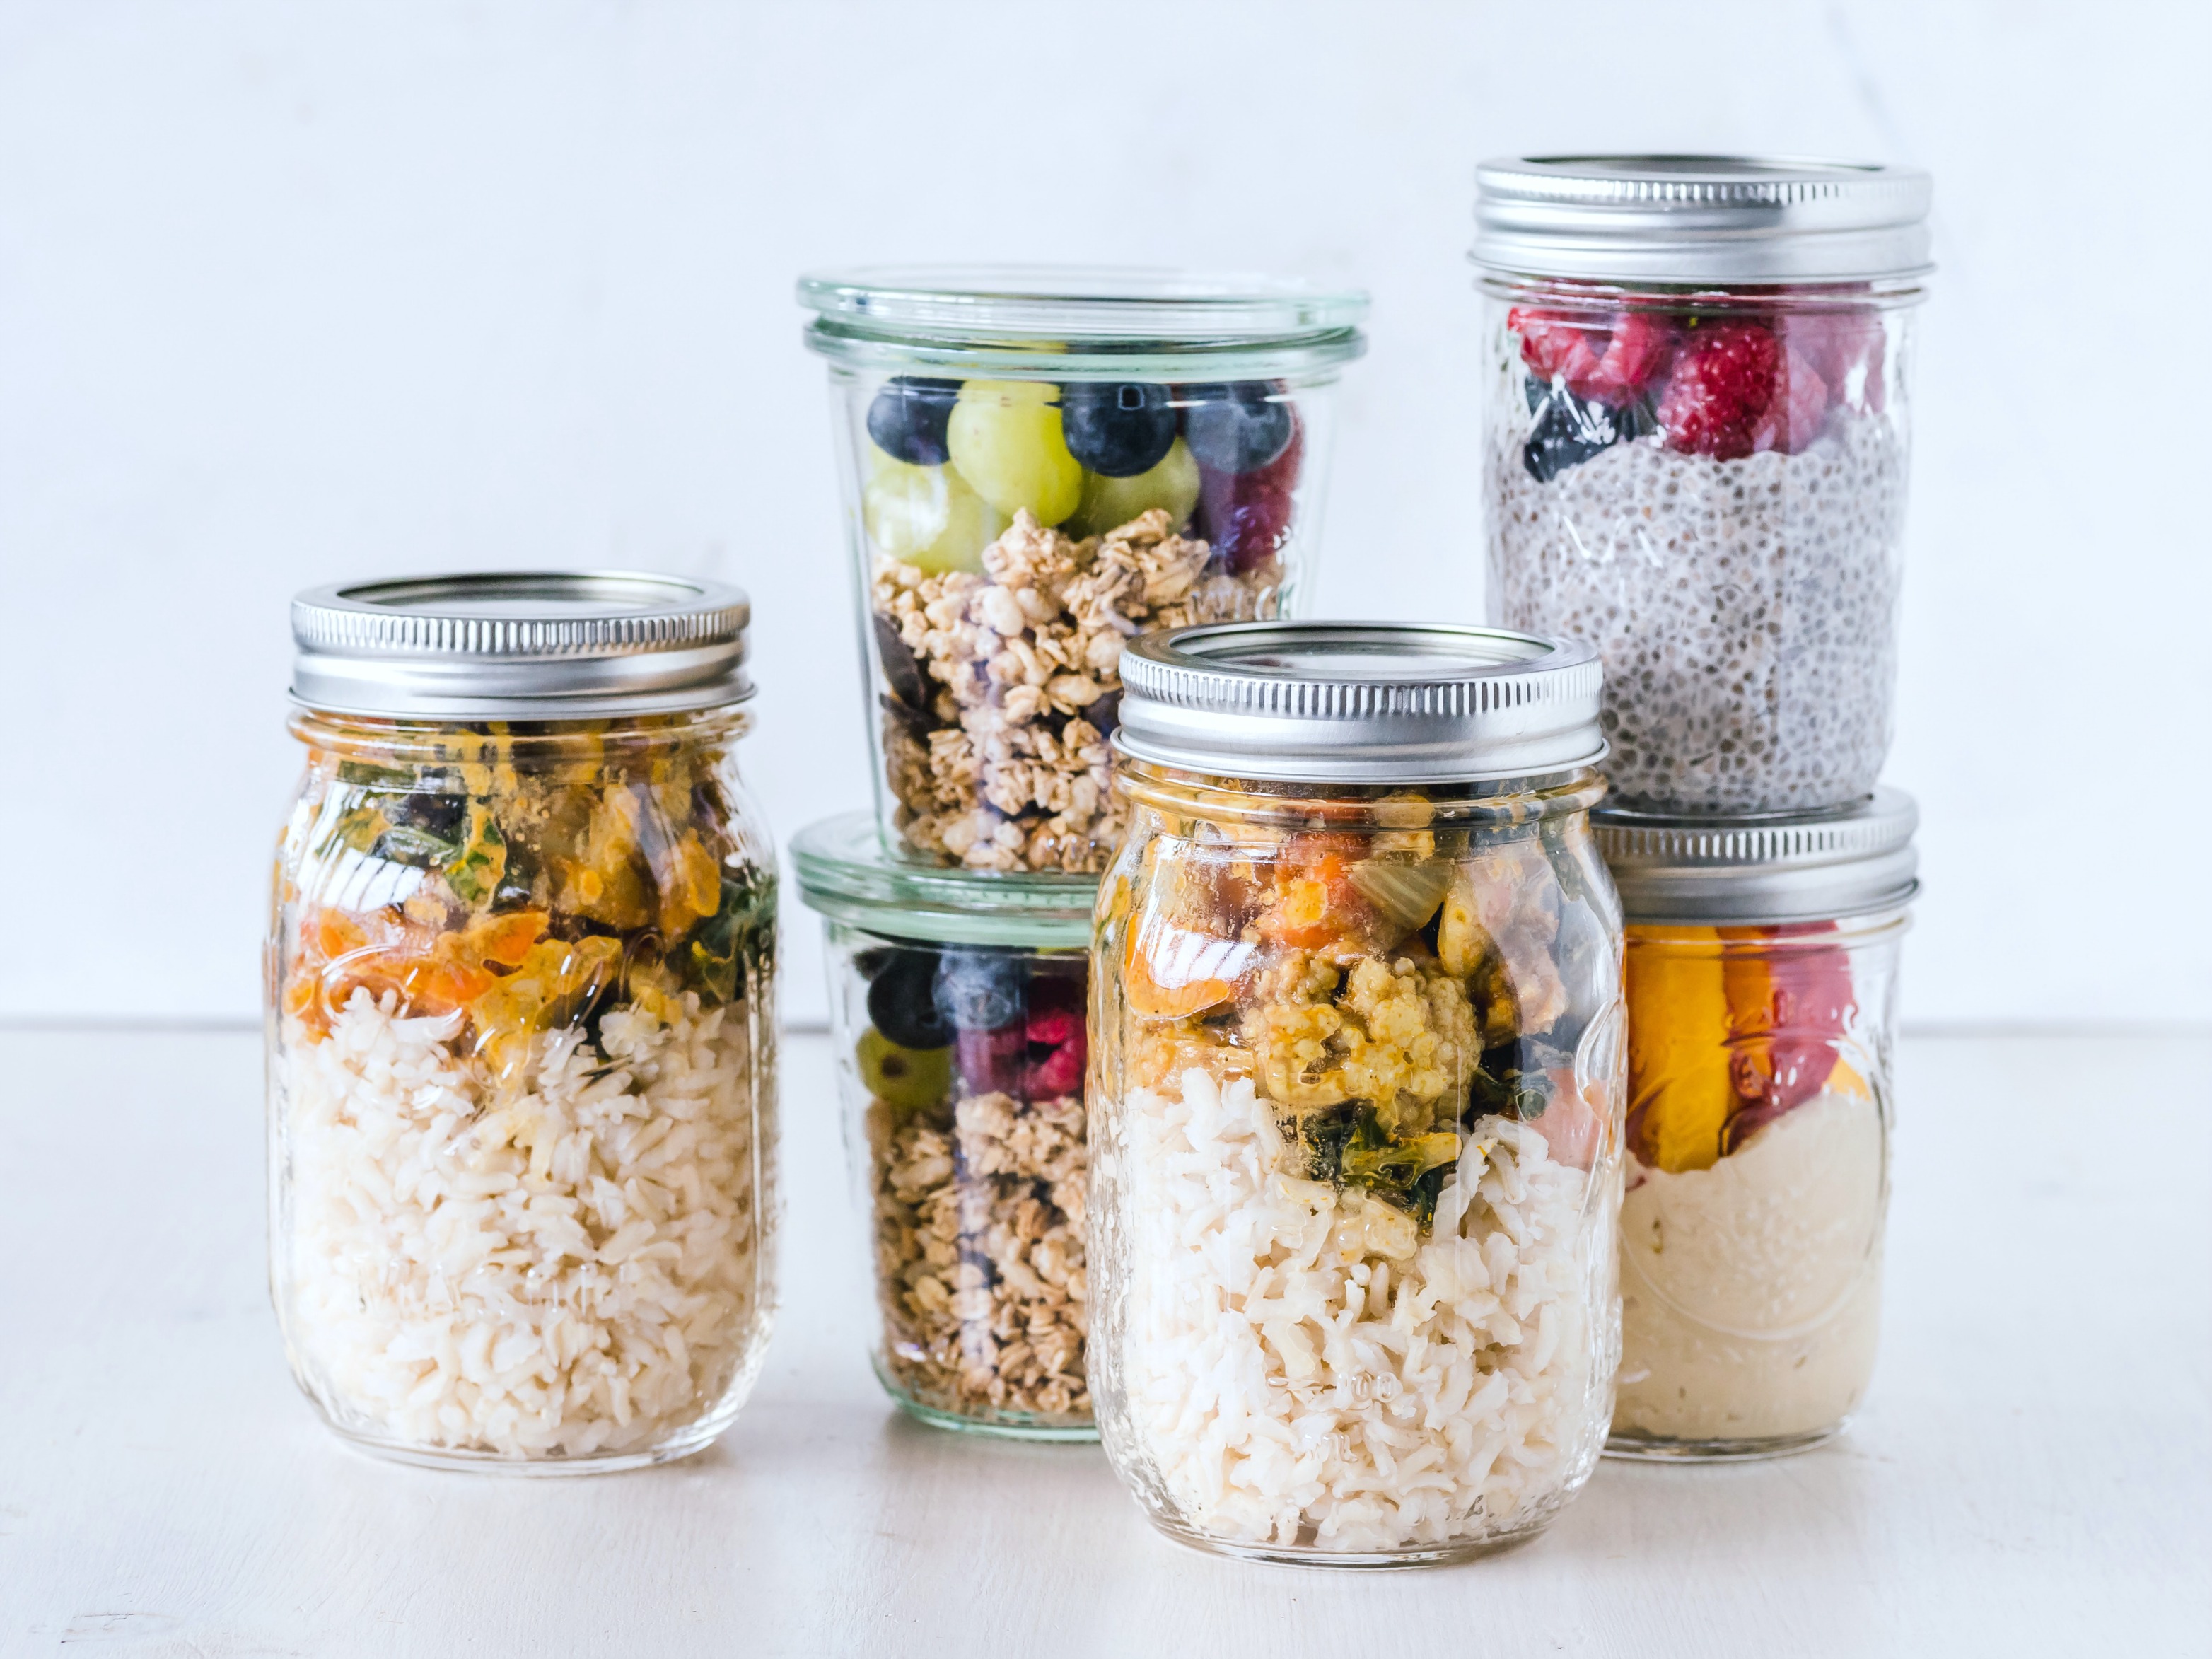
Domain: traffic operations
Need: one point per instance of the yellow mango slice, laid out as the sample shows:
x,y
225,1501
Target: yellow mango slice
x,y
1681,1093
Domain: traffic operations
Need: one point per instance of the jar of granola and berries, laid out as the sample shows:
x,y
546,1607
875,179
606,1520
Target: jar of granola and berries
x,y
521,976
957,1006
1356,1091
1762,968
1037,466
1697,435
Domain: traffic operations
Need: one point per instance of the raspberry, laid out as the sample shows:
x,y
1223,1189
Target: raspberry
x,y
1553,345
1723,380
1799,410
1638,350
1837,344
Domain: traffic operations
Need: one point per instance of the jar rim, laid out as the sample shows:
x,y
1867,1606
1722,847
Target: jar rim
x,y
847,874
1303,803
1082,321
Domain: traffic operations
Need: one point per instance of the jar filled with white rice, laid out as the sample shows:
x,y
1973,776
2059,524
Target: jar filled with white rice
x,y
1356,1085
1761,979
521,973
957,1006
1696,431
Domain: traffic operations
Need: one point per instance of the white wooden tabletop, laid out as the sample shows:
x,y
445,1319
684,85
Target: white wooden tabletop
x,y
2031,1474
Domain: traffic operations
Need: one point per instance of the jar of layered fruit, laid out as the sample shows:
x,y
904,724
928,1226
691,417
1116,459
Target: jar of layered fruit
x,y
1695,455
1762,969
957,1008
1356,1091
521,985
1037,466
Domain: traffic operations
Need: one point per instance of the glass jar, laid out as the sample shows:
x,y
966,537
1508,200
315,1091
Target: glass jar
x,y
1697,432
1356,1091
957,1006
1762,972
1036,465
522,1022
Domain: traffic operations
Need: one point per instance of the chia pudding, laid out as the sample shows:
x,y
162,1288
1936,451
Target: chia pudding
x,y
1745,608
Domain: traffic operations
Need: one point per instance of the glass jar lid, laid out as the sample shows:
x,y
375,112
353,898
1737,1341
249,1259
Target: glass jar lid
x,y
1083,322
846,873
1360,703
521,645
1700,219
1811,867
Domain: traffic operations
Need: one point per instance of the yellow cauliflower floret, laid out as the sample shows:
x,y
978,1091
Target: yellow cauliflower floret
x,y
1400,1037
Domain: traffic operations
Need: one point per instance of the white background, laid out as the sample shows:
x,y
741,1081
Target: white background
x,y
290,293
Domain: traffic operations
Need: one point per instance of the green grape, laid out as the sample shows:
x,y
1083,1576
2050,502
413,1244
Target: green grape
x,y
1006,440
911,1079
1110,502
927,516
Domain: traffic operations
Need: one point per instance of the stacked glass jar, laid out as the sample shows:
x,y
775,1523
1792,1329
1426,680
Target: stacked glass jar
x,y
1697,437
1038,465
957,1012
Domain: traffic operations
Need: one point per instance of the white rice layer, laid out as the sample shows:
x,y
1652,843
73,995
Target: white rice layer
x,y
566,1265
1289,1386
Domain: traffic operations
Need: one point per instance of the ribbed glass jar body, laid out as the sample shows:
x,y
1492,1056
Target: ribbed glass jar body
x,y
1760,1103
1709,486
1356,1098
521,1087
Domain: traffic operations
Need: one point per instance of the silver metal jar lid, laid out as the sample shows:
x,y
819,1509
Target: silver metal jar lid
x,y
847,874
1806,867
1360,703
521,645
1700,219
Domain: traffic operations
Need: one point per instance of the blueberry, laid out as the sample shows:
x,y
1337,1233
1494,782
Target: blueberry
x,y
902,1001
1117,430
909,417
980,990
902,675
1568,430
1105,714
1237,428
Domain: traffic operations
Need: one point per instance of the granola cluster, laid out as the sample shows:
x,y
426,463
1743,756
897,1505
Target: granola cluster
x,y
1003,687
980,1255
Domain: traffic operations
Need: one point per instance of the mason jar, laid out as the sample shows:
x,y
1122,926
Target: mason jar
x,y
957,1005
1356,1098
1036,465
1762,976
521,972
1696,417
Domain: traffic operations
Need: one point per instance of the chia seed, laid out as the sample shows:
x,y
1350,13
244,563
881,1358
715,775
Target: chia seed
x,y
1745,610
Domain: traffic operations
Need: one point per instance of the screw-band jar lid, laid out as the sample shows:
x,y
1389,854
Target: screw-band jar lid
x,y
1360,703
1076,322
847,875
1802,867
1700,219
521,645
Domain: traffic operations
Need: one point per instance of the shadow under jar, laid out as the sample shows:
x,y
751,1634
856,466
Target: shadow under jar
x,y
1696,436
1036,465
957,1009
1762,967
1357,1083
522,1022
